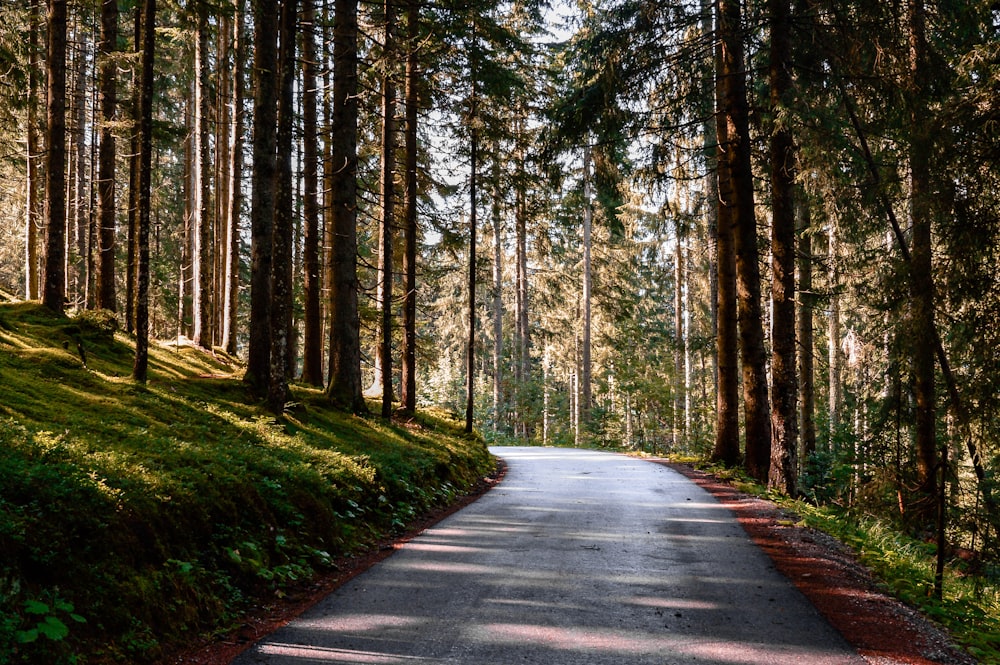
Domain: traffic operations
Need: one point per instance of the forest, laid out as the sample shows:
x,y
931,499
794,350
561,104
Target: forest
x,y
762,233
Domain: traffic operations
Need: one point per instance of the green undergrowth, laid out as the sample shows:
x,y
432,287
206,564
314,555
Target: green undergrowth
x,y
969,609
134,519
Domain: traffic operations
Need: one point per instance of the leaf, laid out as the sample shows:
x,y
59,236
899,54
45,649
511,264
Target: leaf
x,y
53,628
36,607
27,636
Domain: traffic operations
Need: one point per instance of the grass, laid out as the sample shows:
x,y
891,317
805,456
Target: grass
x,y
135,518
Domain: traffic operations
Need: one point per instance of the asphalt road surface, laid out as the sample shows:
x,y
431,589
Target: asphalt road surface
x,y
577,557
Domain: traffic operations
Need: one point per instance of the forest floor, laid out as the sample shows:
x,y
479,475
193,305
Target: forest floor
x,y
883,630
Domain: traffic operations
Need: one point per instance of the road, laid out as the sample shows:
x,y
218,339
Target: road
x,y
577,557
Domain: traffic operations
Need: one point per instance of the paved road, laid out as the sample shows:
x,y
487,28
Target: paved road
x,y
577,557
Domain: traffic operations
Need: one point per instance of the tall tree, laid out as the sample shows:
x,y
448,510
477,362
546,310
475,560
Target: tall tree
x,y
202,225
727,435
408,377
784,388
804,321
54,292
265,120
586,366
235,202
144,182
32,221
312,346
923,333
387,223
470,350
738,197
344,388
282,232
106,168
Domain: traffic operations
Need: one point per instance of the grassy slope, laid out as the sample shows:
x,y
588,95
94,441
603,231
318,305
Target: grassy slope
x,y
133,518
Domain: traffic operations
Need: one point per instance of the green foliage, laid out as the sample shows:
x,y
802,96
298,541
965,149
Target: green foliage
x,y
165,510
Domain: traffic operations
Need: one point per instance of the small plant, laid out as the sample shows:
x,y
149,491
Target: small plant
x,y
48,620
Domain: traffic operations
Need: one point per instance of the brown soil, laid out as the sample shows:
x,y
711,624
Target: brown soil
x,y
882,629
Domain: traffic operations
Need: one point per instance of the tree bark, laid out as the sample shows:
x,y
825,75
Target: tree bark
x,y
235,201
202,225
344,388
312,342
54,291
921,276
106,171
32,218
783,473
284,220
408,379
737,152
386,229
144,180
78,199
497,299
727,434
807,386
470,358
586,396
835,397
265,120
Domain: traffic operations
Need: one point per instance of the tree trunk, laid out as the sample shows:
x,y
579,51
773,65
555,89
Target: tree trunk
x,y
235,201
522,367
921,278
737,151
106,174
54,292
470,364
807,386
585,362
265,120
144,180
497,299
783,474
32,219
312,343
386,230
284,220
679,392
77,264
202,225
345,387
408,382
833,334
727,433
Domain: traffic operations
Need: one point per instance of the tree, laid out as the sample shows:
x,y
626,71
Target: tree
x,y
262,205
32,156
312,346
283,229
923,332
470,358
344,387
235,203
54,292
411,229
388,196
202,224
784,427
737,196
106,169
727,436
145,167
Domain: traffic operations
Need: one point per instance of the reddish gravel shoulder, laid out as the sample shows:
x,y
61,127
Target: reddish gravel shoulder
x,y
881,628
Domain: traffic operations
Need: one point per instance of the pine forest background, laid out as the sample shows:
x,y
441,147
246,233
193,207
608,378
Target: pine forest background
x,y
641,189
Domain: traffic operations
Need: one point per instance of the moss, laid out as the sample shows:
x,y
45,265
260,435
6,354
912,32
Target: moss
x,y
163,511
